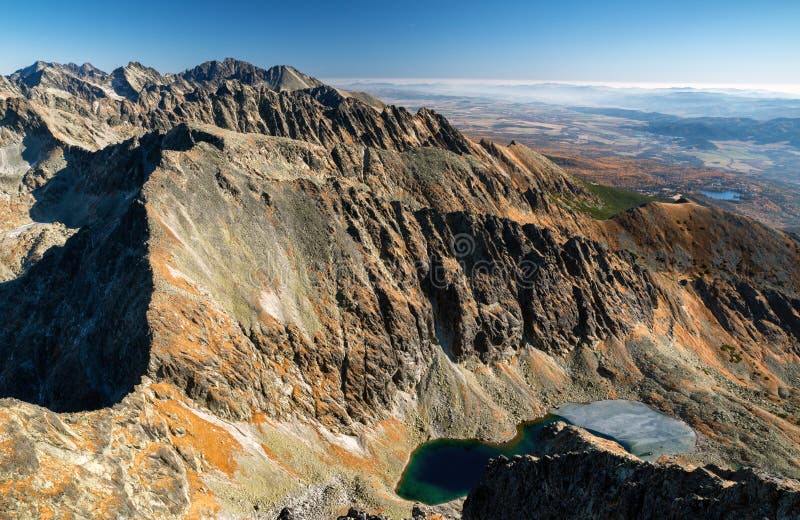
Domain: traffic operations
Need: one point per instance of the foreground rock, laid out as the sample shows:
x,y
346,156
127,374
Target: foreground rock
x,y
581,476
355,514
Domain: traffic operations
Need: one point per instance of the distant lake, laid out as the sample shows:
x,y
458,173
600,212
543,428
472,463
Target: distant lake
x,y
445,469
722,195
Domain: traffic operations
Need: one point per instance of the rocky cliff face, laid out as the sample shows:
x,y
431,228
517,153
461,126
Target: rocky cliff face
x,y
580,476
268,291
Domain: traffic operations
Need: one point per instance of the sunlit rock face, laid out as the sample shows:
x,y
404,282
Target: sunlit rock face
x,y
267,290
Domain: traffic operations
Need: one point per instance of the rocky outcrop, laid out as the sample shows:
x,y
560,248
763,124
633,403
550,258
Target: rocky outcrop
x,y
743,271
580,477
131,80
212,74
83,81
76,454
355,514
299,115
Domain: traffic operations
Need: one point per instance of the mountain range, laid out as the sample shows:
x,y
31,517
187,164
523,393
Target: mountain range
x,y
235,290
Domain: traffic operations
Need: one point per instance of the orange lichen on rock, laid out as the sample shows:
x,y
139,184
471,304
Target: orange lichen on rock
x,y
202,502
199,434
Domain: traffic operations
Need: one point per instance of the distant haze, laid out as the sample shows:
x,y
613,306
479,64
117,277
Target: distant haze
x,y
788,90
758,101
616,41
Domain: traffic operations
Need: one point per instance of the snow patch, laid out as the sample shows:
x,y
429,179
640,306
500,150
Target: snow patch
x,y
648,434
18,231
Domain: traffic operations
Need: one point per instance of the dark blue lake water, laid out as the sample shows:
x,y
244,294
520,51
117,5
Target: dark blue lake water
x,y
446,469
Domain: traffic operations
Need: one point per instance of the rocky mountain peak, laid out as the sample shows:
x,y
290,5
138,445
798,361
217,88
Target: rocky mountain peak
x,y
32,74
282,77
86,70
33,68
128,81
285,77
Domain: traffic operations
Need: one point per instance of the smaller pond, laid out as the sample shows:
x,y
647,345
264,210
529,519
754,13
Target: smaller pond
x,y
722,195
445,469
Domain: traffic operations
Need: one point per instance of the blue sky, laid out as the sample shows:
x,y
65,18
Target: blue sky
x,y
627,41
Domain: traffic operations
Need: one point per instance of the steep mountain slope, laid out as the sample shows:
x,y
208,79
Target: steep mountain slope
x,y
266,292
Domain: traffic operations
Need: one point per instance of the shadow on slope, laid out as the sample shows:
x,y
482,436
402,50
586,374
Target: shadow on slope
x,y
74,334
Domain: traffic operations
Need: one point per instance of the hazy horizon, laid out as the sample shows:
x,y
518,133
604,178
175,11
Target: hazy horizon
x,y
620,41
785,89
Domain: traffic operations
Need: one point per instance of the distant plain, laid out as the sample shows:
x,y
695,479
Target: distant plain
x,y
659,141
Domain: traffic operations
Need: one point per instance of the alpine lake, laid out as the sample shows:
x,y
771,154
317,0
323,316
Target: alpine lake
x,y
442,470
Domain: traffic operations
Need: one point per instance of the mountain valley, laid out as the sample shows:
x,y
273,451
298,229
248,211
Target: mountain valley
x,y
234,290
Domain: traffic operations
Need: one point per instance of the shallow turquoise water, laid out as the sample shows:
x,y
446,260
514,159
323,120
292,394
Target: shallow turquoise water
x,y
445,469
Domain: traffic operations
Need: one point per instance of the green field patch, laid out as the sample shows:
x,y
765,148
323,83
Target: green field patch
x,y
611,201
